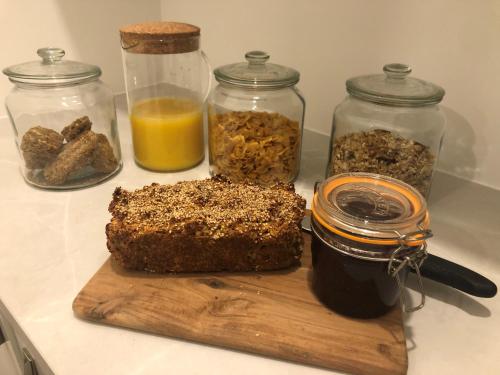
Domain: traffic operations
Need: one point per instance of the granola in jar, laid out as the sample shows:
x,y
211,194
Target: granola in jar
x,y
386,153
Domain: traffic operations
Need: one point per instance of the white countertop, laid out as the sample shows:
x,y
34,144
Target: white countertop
x,y
51,243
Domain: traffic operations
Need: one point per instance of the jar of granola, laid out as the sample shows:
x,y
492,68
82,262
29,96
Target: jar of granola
x,y
390,124
64,122
255,121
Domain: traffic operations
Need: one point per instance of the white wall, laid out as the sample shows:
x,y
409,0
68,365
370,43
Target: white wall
x,y
86,30
449,42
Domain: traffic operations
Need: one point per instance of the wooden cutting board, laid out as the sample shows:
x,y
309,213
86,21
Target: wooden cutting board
x,y
274,314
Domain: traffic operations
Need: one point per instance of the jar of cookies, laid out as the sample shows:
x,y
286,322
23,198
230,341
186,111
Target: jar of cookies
x,y
64,122
255,121
389,124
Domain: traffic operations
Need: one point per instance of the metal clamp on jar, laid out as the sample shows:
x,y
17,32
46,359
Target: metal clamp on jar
x,y
367,230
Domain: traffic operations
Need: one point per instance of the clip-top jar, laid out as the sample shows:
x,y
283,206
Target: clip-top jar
x,y
255,121
367,231
167,79
64,121
390,124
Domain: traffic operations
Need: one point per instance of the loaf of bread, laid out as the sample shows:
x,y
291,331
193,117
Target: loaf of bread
x,y
205,226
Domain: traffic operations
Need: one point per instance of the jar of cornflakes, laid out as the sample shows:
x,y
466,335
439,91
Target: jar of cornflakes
x,y
255,119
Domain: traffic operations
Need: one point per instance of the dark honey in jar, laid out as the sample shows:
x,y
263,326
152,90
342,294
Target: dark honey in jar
x,y
366,231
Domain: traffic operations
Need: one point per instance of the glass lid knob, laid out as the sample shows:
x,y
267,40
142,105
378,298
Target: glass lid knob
x,y
397,71
256,57
50,55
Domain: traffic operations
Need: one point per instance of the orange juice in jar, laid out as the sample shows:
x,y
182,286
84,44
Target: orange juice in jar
x,y
167,133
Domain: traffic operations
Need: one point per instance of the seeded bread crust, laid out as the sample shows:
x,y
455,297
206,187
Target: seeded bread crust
x,y
206,226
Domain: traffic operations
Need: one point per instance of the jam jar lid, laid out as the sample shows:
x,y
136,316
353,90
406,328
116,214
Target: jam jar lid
x,y
51,70
371,209
257,73
395,88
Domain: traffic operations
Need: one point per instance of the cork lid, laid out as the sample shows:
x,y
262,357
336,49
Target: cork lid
x,y
160,38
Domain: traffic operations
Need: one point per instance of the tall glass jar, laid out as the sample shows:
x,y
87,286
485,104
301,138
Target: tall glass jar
x,y
389,124
64,122
167,79
255,121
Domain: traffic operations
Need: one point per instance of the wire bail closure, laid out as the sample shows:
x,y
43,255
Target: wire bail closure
x,y
414,261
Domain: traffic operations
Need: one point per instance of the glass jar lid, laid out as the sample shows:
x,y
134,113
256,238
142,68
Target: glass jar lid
x,y
395,88
257,73
372,209
52,70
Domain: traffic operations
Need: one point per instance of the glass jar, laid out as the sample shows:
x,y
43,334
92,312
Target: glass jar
x,y
367,230
389,124
167,78
255,122
64,122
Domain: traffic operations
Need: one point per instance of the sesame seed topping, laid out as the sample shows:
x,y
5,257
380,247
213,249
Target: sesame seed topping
x,y
213,208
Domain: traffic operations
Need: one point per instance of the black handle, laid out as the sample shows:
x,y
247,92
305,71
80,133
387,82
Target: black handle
x,y
458,277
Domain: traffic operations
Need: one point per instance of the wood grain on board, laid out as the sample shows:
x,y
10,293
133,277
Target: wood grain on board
x,y
274,314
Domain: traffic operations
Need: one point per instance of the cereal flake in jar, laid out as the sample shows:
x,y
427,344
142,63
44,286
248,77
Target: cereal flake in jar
x,y
259,146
